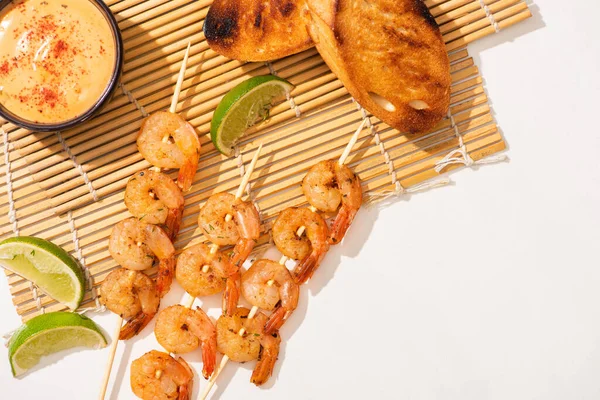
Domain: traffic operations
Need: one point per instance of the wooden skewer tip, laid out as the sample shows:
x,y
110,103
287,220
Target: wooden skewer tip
x,y
248,173
351,143
180,78
111,358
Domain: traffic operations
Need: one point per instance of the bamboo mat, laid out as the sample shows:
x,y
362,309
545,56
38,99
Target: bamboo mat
x,y
68,186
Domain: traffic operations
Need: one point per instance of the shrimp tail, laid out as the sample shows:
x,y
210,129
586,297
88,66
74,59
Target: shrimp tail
x,y
173,222
166,269
341,224
241,251
135,325
187,173
306,268
185,391
209,356
266,361
231,295
277,319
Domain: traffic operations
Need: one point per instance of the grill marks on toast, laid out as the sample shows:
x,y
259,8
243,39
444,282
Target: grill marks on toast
x,y
394,62
257,30
389,54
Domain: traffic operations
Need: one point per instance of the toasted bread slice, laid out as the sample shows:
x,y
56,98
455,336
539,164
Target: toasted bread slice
x,y
390,56
257,30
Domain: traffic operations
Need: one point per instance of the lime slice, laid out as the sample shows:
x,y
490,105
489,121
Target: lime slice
x,y
51,268
51,333
244,105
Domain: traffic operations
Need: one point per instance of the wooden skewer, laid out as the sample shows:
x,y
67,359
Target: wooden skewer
x,y
111,358
351,143
238,195
180,78
115,342
282,261
225,359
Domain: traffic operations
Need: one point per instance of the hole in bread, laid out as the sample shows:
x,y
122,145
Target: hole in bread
x,y
418,104
382,102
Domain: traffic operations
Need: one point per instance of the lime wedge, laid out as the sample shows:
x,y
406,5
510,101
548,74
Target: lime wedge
x,y
51,333
51,268
244,105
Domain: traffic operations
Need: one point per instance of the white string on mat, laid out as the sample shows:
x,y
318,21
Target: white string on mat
x,y
6,336
489,15
461,156
289,97
36,298
78,166
400,190
378,141
12,211
133,100
88,276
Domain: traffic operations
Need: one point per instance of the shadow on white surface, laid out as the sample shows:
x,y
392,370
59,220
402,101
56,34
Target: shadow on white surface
x,y
513,32
120,372
350,247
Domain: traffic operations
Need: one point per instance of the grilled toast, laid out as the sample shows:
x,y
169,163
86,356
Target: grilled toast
x,y
257,30
390,56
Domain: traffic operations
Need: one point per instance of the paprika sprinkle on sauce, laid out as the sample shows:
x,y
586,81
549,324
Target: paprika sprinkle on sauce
x,y
57,58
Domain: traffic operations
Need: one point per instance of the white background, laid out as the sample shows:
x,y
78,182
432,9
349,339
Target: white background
x,y
486,289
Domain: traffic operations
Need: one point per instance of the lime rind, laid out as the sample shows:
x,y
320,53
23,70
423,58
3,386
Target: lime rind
x,y
43,263
49,333
243,106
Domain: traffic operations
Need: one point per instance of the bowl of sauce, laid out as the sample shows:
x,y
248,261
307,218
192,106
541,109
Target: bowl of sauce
x,y
60,61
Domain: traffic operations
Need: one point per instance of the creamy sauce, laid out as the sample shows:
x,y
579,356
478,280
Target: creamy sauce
x,y
56,58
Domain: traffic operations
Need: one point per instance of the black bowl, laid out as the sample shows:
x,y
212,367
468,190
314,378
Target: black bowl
x,y
104,98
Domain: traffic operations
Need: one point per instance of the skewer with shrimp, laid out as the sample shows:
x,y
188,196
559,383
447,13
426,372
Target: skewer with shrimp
x,y
241,337
318,233
225,219
152,198
166,140
328,186
181,329
134,243
204,270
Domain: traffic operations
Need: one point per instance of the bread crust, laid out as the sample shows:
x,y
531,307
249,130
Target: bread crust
x,y
257,30
395,53
389,54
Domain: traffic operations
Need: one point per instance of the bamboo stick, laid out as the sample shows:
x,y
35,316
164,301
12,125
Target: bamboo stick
x,y
488,31
111,358
167,12
478,20
441,7
473,13
127,8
